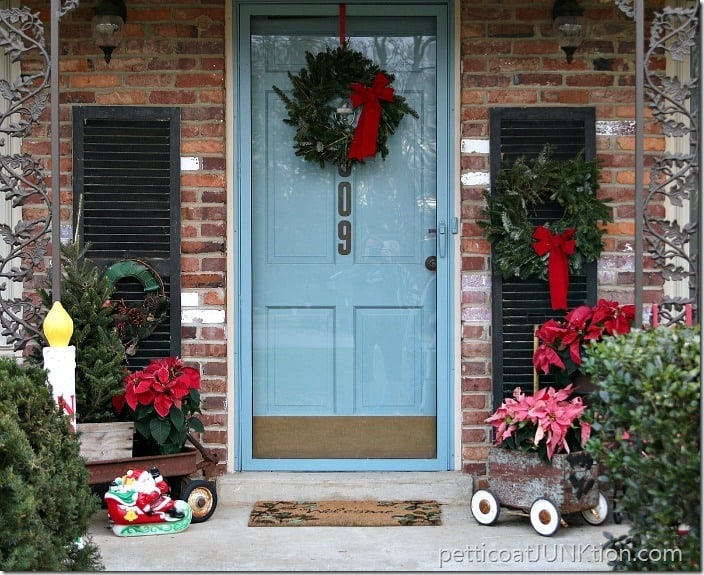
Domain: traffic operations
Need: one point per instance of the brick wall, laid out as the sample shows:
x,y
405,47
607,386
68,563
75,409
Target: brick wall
x,y
510,57
174,54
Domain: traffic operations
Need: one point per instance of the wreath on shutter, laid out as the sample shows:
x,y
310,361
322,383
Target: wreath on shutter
x,y
511,214
135,323
342,107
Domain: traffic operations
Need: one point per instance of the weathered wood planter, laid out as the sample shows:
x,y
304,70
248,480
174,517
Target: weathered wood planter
x,y
105,441
521,481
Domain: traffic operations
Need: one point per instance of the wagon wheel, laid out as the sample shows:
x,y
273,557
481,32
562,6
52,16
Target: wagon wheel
x,y
485,507
202,498
597,515
545,517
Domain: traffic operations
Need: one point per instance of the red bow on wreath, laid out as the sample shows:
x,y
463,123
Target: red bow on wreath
x,y
365,134
560,246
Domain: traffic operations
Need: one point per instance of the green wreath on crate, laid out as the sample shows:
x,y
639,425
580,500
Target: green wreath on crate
x,y
135,323
321,106
512,217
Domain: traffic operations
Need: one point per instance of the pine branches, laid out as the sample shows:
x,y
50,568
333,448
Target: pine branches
x,y
513,211
322,134
100,354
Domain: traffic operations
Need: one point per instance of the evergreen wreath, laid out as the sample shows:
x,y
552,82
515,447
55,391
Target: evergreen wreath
x,y
323,135
512,214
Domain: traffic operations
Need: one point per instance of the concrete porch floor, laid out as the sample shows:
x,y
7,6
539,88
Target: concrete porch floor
x,y
226,543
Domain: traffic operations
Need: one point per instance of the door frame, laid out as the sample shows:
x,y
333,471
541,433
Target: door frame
x,y
239,266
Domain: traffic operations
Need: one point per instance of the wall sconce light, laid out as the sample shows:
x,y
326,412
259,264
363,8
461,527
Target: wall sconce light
x,y
108,22
569,25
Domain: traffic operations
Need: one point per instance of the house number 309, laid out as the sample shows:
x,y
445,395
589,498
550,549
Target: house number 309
x,y
344,210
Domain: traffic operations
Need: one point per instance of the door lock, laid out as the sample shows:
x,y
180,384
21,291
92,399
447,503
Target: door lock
x,y
431,263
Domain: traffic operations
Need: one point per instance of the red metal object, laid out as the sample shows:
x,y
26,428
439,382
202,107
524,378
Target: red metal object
x,y
198,495
173,465
209,463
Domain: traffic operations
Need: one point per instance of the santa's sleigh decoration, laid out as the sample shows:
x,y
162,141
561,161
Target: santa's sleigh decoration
x,y
139,504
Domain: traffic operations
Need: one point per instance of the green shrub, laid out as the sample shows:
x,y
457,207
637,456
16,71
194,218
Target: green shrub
x,y
646,418
46,503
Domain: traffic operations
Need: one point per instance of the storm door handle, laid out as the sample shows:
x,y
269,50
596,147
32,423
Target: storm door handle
x,y
442,238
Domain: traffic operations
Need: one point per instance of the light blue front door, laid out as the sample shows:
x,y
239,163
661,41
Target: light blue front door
x,y
343,362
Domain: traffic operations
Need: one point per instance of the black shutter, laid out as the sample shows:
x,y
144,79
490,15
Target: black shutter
x,y
126,165
518,305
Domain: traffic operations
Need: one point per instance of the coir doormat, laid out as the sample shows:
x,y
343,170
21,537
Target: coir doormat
x,y
344,513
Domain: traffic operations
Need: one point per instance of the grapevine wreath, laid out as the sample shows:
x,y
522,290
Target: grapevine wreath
x,y
325,126
138,322
521,241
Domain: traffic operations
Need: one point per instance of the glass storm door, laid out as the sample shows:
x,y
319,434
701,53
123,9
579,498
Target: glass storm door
x,y
344,265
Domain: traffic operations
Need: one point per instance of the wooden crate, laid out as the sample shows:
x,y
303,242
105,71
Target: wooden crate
x,y
106,441
518,478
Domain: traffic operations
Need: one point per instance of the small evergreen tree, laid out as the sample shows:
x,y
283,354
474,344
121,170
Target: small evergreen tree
x,y
46,503
100,354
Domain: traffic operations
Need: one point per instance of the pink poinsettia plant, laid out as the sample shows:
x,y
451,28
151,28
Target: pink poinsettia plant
x,y
162,399
547,422
561,342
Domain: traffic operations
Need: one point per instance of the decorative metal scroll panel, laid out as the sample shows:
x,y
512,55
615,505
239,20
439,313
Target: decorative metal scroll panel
x,y
23,178
674,177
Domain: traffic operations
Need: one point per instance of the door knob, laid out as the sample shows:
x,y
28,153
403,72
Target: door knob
x,y
431,263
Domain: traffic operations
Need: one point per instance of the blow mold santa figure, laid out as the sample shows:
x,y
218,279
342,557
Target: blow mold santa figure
x,y
139,504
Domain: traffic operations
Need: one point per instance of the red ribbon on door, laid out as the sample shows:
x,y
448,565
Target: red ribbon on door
x,y
343,17
559,246
367,130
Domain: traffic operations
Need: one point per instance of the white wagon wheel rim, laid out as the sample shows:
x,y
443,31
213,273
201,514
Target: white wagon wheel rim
x,y
485,507
545,517
597,515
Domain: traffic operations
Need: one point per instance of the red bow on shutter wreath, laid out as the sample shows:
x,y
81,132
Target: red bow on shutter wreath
x,y
365,134
560,247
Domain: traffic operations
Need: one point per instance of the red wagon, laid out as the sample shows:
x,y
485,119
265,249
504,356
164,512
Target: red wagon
x,y
200,494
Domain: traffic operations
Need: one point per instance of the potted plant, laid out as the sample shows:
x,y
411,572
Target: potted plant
x,y
100,355
538,464
162,399
561,343
545,423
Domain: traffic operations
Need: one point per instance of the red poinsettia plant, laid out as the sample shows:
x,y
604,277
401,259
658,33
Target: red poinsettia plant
x,y
162,399
561,342
547,422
